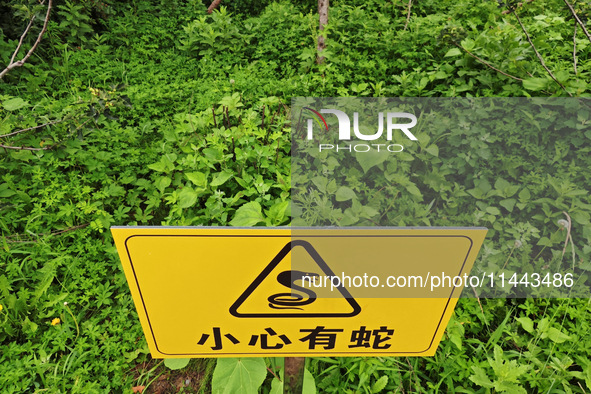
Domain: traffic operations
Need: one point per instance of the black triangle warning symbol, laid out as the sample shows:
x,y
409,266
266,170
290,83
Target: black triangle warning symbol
x,y
278,306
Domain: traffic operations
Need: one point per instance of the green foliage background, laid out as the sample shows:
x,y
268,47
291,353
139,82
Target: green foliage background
x,y
156,113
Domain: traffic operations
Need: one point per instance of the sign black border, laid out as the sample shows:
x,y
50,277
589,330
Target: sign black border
x,y
281,354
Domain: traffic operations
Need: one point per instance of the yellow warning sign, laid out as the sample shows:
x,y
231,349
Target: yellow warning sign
x,y
224,292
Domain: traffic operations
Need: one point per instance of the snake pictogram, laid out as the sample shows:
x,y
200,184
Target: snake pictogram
x,y
292,300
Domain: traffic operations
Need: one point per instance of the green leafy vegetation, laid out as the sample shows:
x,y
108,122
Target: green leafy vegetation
x,y
156,113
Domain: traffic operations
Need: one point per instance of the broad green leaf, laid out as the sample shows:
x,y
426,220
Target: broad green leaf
x,y
332,187
24,155
412,189
476,193
238,375
6,193
368,212
29,326
159,166
221,177
456,340
276,386
588,375
467,44
176,363
14,104
162,183
535,84
440,74
171,157
433,149
198,178
309,383
48,271
371,158
166,163
405,156
187,197
320,182
423,139
480,377
379,384
277,212
511,388
345,194
493,211
248,215
453,52
557,336
501,184
484,185
526,323
524,195
349,218
213,154
508,204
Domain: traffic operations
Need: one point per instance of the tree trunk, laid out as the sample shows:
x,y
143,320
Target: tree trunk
x,y
294,375
323,13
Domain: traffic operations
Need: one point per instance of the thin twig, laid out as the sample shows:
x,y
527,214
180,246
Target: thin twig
x,y
572,10
21,62
485,63
227,118
478,298
537,53
568,236
233,150
20,42
70,229
408,15
284,106
575,49
47,147
31,128
271,124
323,6
270,370
44,234
23,147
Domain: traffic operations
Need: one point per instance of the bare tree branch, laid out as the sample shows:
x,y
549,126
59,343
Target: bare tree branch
x,y
323,19
213,6
23,147
538,54
572,10
30,128
486,64
20,42
408,15
46,147
21,62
